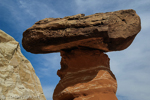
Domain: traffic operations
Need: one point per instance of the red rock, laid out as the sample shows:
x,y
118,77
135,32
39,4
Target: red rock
x,y
111,31
82,40
85,75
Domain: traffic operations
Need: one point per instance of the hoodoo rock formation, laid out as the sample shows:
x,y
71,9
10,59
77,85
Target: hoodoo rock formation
x,y
85,75
82,41
18,80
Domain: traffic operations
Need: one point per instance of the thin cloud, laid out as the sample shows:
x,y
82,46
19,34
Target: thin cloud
x,y
38,9
26,13
131,67
48,92
95,6
88,6
145,20
50,64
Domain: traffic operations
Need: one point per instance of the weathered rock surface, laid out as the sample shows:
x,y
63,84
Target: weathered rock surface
x,y
82,40
85,75
109,31
18,80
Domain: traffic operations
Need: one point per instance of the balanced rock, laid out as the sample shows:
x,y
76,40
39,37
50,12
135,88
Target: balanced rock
x,y
18,80
111,31
82,40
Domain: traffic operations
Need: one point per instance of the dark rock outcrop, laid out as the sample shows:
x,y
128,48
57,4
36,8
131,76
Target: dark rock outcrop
x,y
111,31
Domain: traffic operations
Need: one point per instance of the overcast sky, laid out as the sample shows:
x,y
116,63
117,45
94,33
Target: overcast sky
x,y
130,66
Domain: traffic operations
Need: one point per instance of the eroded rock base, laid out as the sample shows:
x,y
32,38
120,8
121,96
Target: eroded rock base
x,y
85,75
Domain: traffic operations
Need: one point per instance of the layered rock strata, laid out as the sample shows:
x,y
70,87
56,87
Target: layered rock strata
x,y
85,75
18,80
111,31
82,40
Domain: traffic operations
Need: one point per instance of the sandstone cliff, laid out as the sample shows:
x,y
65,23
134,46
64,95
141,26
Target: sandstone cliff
x,y
18,80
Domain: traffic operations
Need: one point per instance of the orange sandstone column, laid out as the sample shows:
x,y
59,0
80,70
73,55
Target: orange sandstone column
x,y
85,75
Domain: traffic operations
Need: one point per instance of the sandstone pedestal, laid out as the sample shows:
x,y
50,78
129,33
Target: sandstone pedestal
x,y
82,41
85,75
